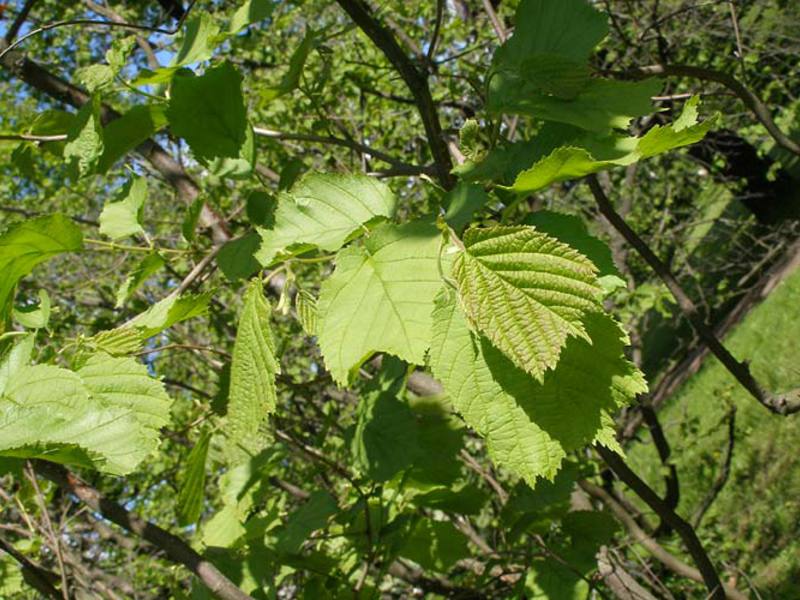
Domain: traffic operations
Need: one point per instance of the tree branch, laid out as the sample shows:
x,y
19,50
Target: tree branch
x,y
707,570
779,404
672,496
174,548
416,81
748,97
19,21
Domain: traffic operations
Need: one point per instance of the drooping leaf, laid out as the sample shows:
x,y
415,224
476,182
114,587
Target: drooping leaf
x,y
251,11
84,145
530,426
34,316
192,488
96,77
149,265
588,154
379,297
124,134
30,243
526,292
291,78
235,258
214,100
324,210
252,395
167,312
123,217
200,38
49,412
123,382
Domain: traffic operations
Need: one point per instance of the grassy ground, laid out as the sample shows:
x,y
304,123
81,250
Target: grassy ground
x,y
753,528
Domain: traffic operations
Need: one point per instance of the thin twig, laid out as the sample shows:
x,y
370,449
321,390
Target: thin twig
x,y
440,6
722,476
672,496
33,574
174,548
20,19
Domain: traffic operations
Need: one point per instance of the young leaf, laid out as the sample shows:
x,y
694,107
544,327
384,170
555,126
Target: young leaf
x,y
252,394
291,78
215,101
530,426
167,312
123,217
84,144
526,292
588,154
192,490
324,210
200,37
379,298
306,307
27,244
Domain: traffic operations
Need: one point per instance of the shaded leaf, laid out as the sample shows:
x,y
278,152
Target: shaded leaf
x,y
191,493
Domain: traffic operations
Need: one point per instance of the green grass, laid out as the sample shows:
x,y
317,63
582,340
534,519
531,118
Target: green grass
x,y
754,525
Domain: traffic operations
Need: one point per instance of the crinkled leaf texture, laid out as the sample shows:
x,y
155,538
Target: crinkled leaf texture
x,y
526,292
28,244
324,210
192,490
530,426
106,416
252,389
379,298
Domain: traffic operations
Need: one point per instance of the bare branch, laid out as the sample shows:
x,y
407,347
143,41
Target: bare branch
x,y
35,576
722,476
780,404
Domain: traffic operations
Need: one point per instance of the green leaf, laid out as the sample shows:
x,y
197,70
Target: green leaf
x,y
189,224
435,545
311,516
385,438
571,230
149,265
191,493
200,38
123,217
251,11
117,54
379,298
95,78
51,413
291,78
306,307
16,358
461,202
235,258
440,433
259,208
526,292
324,210
167,312
28,244
123,382
124,134
215,101
34,316
84,145
530,426
253,371
590,154
240,167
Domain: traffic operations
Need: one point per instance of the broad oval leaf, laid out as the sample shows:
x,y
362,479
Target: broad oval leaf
x,y
530,426
526,292
323,210
379,298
